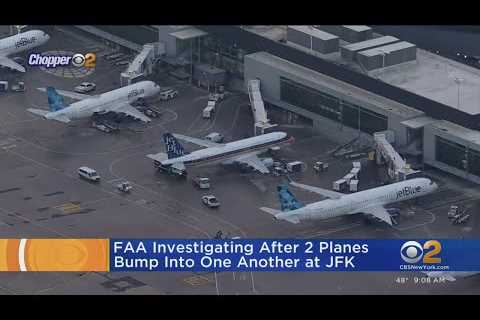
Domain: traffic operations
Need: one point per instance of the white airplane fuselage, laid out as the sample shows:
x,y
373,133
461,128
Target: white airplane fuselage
x,y
357,202
96,104
227,153
22,41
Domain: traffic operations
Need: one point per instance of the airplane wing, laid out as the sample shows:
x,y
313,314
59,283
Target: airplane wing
x,y
127,109
161,156
70,94
200,142
281,215
380,213
42,113
9,63
253,161
320,191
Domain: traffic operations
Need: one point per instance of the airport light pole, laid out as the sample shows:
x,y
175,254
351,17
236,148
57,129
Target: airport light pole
x,y
383,57
458,81
191,61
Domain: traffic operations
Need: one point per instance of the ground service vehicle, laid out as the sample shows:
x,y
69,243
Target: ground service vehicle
x,y
88,173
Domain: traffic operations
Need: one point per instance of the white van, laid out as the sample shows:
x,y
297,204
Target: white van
x,y
168,94
88,173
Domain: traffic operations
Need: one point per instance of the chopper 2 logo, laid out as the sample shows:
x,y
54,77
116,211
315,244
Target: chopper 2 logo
x,y
78,60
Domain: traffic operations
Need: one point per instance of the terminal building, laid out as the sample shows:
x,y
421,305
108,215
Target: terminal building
x,y
344,110
430,103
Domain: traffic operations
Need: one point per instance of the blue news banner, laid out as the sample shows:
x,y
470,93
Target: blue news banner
x,y
209,255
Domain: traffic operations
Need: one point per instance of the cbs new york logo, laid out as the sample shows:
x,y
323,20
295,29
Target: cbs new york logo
x,y
413,252
78,60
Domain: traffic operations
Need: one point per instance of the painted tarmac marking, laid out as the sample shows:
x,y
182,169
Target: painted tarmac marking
x,y
197,280
9,190
68,207
53,193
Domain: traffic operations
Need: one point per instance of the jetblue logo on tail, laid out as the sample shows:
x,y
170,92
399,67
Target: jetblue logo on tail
x,y
55,101
287,199
174,148
408,191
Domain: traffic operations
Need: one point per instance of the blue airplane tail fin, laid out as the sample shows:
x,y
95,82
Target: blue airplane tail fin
x,y
55,101
174,148
287,199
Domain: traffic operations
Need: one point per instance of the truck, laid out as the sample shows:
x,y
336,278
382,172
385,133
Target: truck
x,y
170,169
295,166
18,87
452,212
209,110
320,166
201,182
168,94
217,97
214,137
210,201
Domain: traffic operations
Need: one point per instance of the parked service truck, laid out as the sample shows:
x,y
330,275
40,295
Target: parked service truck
x,y
209,110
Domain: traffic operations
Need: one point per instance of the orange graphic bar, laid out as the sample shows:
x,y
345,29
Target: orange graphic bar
x,y
74,255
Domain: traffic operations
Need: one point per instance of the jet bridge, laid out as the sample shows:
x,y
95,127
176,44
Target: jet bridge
x,y
398,169
258,108
143,63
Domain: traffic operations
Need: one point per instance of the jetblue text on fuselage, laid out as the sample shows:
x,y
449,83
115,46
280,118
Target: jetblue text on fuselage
x,y
408,191
135,93
25,41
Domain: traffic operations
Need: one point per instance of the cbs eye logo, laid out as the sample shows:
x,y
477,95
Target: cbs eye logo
x,y
413,252
88,60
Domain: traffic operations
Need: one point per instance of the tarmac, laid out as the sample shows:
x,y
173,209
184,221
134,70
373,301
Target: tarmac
x,y
42,196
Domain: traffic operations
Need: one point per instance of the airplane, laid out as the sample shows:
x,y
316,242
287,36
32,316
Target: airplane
x,y
18,43
118,100
242,151
451,275
370,201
